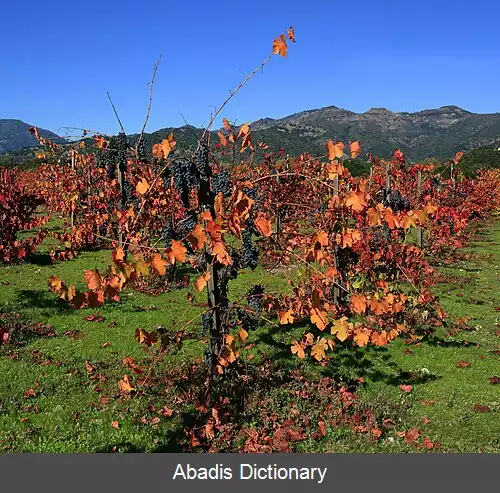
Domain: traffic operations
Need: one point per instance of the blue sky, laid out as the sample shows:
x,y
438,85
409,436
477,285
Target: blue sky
x,y
58,59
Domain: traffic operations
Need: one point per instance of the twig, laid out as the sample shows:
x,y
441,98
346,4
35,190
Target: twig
x,y
151,84
116,113
85,131
233,92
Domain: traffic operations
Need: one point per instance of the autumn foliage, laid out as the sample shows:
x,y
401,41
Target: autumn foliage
x,y
359,277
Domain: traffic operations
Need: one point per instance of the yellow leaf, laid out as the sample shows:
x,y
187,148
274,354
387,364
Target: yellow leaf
x,y
298,349
319,317
162,150
124,385
142,186
355,149
341,329
318,350
243,335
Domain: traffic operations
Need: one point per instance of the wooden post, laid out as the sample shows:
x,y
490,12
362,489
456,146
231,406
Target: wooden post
x,y
336,291
452,175
278,217
420,231
72,203
119,176
371,175
387,176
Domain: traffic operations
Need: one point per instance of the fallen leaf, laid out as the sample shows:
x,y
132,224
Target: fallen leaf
x,y
115,424
427,403
479,408
406,388
124,385
427,443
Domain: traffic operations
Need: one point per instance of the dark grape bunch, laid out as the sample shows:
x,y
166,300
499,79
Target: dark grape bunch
x,y
393,199
206,323
201,161
253,193
250,255
221,183
128,194
248,321
185,178
180,230
114,156
254,297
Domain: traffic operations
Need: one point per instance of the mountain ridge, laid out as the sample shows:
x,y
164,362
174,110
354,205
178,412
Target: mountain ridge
x,y
15,135
435,132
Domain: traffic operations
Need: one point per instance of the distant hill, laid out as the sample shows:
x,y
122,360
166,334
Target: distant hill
x,y
430,133
14,135
435,133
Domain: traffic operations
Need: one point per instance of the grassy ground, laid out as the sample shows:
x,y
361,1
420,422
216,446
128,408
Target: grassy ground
x,y
50,402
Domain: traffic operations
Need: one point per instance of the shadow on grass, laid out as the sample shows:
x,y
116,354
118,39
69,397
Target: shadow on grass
x,y
437,341
350,363
31,298
40,259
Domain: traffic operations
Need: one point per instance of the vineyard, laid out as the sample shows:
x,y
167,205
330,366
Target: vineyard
x,y
234,298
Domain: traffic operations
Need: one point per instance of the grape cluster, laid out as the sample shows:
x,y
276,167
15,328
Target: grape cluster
x,y
250,251
185,178
248,321
210,359
206,323
127,195
253,193
221,183
393,199
254,297
180,230
141,151
201,161
115,155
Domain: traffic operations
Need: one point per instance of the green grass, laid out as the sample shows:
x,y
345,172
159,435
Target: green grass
x,y
68,412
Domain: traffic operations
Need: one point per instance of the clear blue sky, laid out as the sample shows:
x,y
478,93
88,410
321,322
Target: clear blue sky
x,y
58,59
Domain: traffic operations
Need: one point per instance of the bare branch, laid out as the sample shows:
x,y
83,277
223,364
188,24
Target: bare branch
x,y
116,113
233,92
151,84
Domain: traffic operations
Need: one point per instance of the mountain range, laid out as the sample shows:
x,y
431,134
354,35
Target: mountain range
x,y
15,135
435,133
